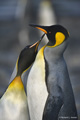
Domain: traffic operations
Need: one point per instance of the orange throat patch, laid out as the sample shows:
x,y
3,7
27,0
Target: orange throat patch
x,y
16,84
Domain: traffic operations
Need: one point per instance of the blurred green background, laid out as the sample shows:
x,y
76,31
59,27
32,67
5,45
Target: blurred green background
x,y
15,34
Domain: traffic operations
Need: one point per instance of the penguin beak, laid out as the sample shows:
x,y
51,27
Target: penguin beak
x,y
37,43
42,28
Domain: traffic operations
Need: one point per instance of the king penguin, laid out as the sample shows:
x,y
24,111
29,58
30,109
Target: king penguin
x,y
50,96
13,103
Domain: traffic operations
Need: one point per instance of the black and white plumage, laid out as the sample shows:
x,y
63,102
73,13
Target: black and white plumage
x,y
50,94
13,103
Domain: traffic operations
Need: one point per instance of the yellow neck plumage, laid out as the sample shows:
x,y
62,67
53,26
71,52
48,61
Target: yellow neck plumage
x,y
16,84
41,52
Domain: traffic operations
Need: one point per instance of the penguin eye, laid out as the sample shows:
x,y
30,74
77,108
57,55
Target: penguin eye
x,y
59,37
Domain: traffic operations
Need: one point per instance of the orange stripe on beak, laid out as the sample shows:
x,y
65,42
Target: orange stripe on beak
x,y
42,30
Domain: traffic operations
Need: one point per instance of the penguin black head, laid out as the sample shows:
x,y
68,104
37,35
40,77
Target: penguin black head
x,y
27,57
56,34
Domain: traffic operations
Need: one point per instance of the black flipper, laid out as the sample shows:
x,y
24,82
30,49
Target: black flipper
x,y
53,106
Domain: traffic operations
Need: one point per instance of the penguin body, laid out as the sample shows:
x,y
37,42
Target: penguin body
x,y
57,100
37,93
13,104
59,87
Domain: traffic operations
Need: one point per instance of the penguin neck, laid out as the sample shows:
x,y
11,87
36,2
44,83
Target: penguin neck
x,y
55,53
41,53
15,92
16,84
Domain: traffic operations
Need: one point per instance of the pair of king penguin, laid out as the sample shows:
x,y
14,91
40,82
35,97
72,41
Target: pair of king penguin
x,y
49,91
13,103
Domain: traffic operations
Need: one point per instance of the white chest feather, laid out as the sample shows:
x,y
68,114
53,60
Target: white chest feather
x,y
36,90
14,108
